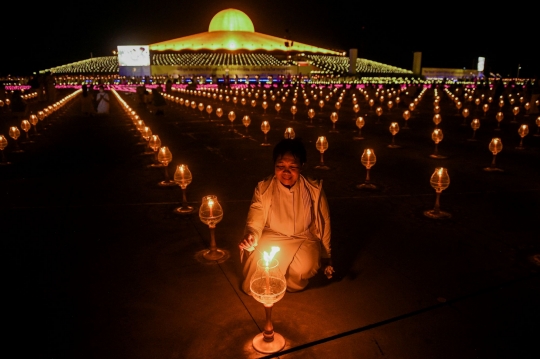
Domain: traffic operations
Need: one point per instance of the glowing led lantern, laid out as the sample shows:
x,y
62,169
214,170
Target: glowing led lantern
x,y
15,134
485,109
465,114
265,128
232,117
440,180
378,112
294,109
183,177
277,106
25,125
360,124
34,121
334,119
155,144
3,145
437,136
322,146
499,117
264,106
289,133
246,121
211,213
311,114
523,131
495,146
267,286
368,160
394,129
515,111
437,119
356,108
537,121
165,157
209,111
475,125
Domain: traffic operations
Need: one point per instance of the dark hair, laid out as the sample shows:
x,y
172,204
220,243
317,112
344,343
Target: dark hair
x,y
293,146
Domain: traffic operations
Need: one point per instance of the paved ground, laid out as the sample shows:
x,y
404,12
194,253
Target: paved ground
x,y
98,265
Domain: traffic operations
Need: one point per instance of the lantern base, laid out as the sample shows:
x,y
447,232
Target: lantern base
x,y
322,166
147,153
260,345
437,214
184,210
213,255
441,157
369,186
393,146
493,169
357,138
155,165
167,183
333,131
520,148
265,144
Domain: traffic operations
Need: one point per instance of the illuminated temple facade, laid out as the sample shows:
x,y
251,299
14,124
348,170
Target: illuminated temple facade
x,y
231,48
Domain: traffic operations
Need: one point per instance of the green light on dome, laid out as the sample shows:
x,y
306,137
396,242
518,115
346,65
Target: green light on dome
x,y
231,20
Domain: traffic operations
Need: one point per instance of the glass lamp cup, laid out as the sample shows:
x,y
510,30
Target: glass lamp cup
x,y
211,213
265,128
440,180
523,131
322,146
165,157
394,129
360,123
368,160
183,177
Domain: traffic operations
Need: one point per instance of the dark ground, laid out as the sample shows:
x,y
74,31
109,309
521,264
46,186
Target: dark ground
x,y
98,265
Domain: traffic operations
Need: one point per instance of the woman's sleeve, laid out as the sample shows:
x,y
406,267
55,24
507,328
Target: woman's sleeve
x,y
324,212
255,217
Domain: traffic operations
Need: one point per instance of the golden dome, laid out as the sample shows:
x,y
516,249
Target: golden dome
x,y
231,20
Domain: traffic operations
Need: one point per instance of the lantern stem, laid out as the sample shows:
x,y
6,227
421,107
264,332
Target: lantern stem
x,y
493,161
184,199
322,158
268,332
367,175
437,207
166,173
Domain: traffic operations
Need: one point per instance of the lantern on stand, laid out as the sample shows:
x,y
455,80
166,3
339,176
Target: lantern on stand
x,y
267,286
322,146
495,146
368,159
165,157
15,134
26,126
265,128
378,112
439,181
311,114
523,131
465,114
394,129
475,125
232,117
183,177
155,143
3,145
211,213
293,111
334,118
437,136
359,123
246,121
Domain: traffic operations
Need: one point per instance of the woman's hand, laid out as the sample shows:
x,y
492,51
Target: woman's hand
x,y
248,243
328,268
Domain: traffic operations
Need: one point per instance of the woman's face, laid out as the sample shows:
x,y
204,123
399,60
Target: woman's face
x,y
287,169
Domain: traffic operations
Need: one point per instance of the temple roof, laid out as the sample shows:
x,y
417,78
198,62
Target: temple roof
x,y
232,30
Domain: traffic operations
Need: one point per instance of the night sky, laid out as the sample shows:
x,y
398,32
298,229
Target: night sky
x,y
54,33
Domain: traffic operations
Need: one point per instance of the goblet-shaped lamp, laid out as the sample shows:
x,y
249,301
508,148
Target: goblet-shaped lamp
x,y
146,133
515,111
523,131
465,113
437,136
277,106
154,142
485,109
201,107
436,109
390,104
322,145
246,121
537,121
495,146
15,134
165,157
34,121
356,108
368,159
412,107
527,107
209,111
3,145
311,114
294,109
306,102
267,286
475,125
26,126
458,106
334,118
232,117
359,123
437,120
253,105
183,177
321,105
394,129
211,213
371,102
265,128
289,133
499,117
378,112
264,106
406,117
439,181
